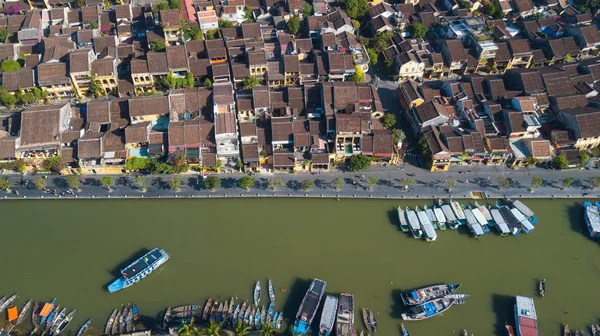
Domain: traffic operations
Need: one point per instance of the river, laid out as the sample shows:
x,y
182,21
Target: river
x,y
72,249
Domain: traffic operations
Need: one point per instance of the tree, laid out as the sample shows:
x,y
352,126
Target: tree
x,y
174,4
373,56
80,3
175,183
94,25
189,329
9,100
179,162
504,182
567,181
190,79
407,182
355,9
451,185
73,182
140,182
95,88
536,182
10,65
358,76
3,35
594,182
274,184
160,6
53,164
240,330
568,58
107,181
417,30
360,162
246,182
213,329
389,120
381,42
371,182
211,183
207,83
268,329
561,161
157,45
338,183
398,135
493,9
225,24
137,164
293,25
355,24
211,33
584,157
248,14
4,184
250,82
40,183
307,184
465,4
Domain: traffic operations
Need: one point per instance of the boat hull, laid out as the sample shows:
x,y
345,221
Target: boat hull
x,y
123,282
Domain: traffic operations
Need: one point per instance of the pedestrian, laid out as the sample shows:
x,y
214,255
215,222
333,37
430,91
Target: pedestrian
x,y
489,177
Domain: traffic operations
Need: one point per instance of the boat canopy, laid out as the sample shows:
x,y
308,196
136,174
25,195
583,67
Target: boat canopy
x,y
431,215
475,227
591,211
523,208
402,217
13,314
46,309
479,216
413,221
499,220
447,210
439,214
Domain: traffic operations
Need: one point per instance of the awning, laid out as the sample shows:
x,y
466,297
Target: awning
x,y
13,314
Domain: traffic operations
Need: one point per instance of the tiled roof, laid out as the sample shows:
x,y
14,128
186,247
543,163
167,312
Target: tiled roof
x,y
176,58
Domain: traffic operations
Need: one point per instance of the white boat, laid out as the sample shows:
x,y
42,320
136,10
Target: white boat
x,y
439,214
413,222
328,315
431,216
527,226
451,219
480,219
499,222
472,223
428,230
458,211
486,213
524,210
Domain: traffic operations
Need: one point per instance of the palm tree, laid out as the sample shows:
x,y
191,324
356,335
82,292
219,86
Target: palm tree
x,y
268,330
189,329
240,330
213,329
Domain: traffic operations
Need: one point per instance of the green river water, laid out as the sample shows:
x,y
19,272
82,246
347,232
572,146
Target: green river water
x,y
72,249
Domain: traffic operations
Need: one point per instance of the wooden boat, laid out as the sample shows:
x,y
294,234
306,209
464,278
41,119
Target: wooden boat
x,y
52,317
402,220
441,218
35,315
110,322
251,316
213,310
58,320
247,315
219,314
404,330
235,316
257,319
243,311
207,308
263,315
413,223
46,310
64,323
451,219
372,321
167,319
365,316
270,313
458,298
23,313
123,320
3,299
279,322
431,215
542,288
7,302
428,310
465,333
136,314
129,321
257,293
567,331
594,330
422,295
271,291
509,330
597,328
84,328
231,309
115,326
486,214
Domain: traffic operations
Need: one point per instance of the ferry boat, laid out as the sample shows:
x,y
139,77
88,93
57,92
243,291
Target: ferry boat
x,y
524,210
345,317
509,218
458,212
428,230
441,218
139,269
480,219
423,295
526,226
486,214
429,309
472,223
449,214
328,315
499,222
592,218
431,216
308,307
525,317
402,220
413,222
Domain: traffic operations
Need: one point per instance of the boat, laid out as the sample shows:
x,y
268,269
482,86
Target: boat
x,y
328,315
35,315
3,299
231,309
206,311
52,317
243,310
499,222
123,320
597,328
404,330
308,308
64,323
271,291
525,316
219,315
167,319
8,302
523,209
428,310
486,214
345,317
423,295
362,333
441,218
235,316
594,330
509,330
372,321
257,293
480,219
428,230
84,328
247,316
431,216
413,222
263,315
24,312
129,321
365,316
136,314
257,319
213,310
279,322
472,223
402,220
57,320
458,298
270,313
110,322
451,219
251,316
46,310
592,218
458,212
542,288
567,331
526,226
185,311
139,269
509,219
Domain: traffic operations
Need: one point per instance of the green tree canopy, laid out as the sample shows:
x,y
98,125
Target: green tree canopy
x,y
160,6
9,66
189,77
373,56
157,45
4,184
207,83
371,182
107,181
137,163
360,162
213,329
3,35
140,182
451,184
246,182
250,82
307,184
240,330
73,181
94,25
274,184
561,161
193,32
417,30
355,9
389,120
40,183
175,183
358,76
307,9
293,25
567,181
211,183
9,100
225,23
594,182
189,329
536,182
338,183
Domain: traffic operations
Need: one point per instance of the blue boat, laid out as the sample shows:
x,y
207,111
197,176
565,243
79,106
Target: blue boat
x,y
524,210
308,307
429,309
592,218
139,269
270,313
44,318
